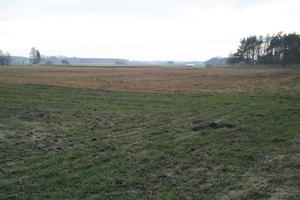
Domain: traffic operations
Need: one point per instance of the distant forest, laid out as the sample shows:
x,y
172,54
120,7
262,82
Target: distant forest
x,y
279,49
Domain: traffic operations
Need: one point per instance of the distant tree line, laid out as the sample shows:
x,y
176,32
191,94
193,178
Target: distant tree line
x,y
283,49
53,60
35,57
65,62
5,58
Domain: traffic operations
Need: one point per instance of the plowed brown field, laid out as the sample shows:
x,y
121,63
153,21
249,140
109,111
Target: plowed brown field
x,y
217,80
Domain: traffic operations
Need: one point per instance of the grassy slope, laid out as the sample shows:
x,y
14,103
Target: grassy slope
x,y
61,143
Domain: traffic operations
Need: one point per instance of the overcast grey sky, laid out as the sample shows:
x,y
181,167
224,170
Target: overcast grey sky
x,y
140,29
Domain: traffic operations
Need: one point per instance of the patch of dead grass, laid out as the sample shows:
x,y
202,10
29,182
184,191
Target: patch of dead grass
x,y
216,80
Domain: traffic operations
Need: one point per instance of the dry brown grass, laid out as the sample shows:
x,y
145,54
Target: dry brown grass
x,y
216,80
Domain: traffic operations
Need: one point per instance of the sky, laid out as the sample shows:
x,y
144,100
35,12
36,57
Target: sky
x,y
140,29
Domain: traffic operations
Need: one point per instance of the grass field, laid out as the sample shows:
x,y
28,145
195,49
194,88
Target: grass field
x,y
216,80
84,143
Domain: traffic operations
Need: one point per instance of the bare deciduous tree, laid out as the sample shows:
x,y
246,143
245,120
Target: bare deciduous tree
x,y
34,56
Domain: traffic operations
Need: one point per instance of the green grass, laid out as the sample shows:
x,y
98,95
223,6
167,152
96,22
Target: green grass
x,y
62,143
